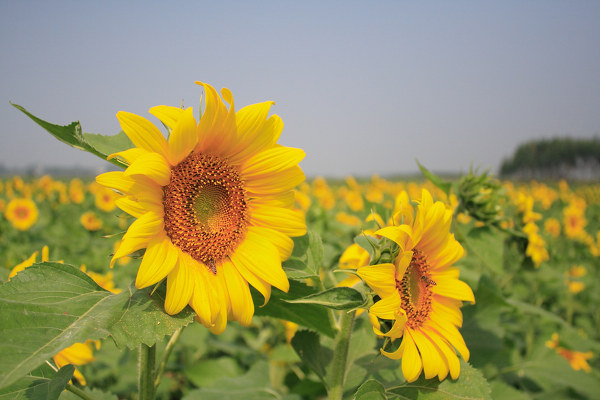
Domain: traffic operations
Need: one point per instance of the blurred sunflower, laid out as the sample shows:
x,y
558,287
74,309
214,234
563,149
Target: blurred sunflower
x,y
214,205
90,221
22,213
105,199
420,293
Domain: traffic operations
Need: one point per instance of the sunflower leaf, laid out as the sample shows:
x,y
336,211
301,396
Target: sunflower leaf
x,y
338,298
470,385
39,387
50,306
370,390
72,134
315,356
308,315
436,180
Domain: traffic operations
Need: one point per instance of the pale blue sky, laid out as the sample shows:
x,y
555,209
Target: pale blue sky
x,y
363,87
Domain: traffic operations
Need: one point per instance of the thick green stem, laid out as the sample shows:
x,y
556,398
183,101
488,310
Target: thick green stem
x,y
147,358
340,355
165,356
78,392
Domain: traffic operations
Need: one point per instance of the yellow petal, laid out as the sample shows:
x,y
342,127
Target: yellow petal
x,y
180,287
275,183
167,115
20,267
263,287
151,165
129,156
159,260
450,333
288,222
412,364
183,137
139,234
397,234
262,258
202,300
116,180
255,132
387,307
454,289
242,306
430,357
381,278
273,160
143,133
282,242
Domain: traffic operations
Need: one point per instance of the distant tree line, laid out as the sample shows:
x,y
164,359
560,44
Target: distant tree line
x,y
554,159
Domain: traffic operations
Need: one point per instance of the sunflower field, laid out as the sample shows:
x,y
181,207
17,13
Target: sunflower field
x,y
209,268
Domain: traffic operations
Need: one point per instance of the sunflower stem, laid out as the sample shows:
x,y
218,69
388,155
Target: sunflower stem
x,y
78,392
340,355
147,356
165,356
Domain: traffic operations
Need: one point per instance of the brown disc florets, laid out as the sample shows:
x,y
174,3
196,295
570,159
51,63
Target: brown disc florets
x,y
205,208
415,290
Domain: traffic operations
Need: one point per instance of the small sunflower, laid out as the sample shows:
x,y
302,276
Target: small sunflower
x,y
420,293
214,205
22,213
90,221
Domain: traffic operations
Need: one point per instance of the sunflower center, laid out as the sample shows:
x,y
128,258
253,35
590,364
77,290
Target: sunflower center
x,y
415,290
205,208
22,213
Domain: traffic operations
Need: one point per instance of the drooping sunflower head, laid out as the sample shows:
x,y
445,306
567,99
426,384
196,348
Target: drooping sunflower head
x,y
420,293
214,205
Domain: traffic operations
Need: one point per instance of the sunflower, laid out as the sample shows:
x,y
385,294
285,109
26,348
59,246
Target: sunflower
x,y
214,205
77,354
22,213
90,221
420,293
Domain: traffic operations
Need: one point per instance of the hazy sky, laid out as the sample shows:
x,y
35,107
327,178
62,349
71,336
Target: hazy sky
x,y
362,86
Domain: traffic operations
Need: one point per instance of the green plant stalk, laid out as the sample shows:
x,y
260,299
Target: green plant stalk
x,y
78,392
165,356
147,356
340,355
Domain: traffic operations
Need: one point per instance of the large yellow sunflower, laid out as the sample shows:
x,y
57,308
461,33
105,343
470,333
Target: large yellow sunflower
x,y
420,293
214,205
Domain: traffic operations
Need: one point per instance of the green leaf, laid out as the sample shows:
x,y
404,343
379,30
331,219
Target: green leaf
x,y
254,385
308,347
308,315
72,134
502,391
295,268
143,320
370,390
487,244
206,373
436,180
50,306
338,298
38,387
527,308
470,385
552,372
93,393
315,253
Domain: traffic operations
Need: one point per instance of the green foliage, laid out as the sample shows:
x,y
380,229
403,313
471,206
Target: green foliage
x,y
38,387
73,135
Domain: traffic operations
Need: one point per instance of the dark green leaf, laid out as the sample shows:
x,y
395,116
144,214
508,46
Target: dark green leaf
x,y
338,298
370,390
206,373
308,347
308,315
50,306
72,134
254,385
93,393
470,385
37,387
436,180
315,253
